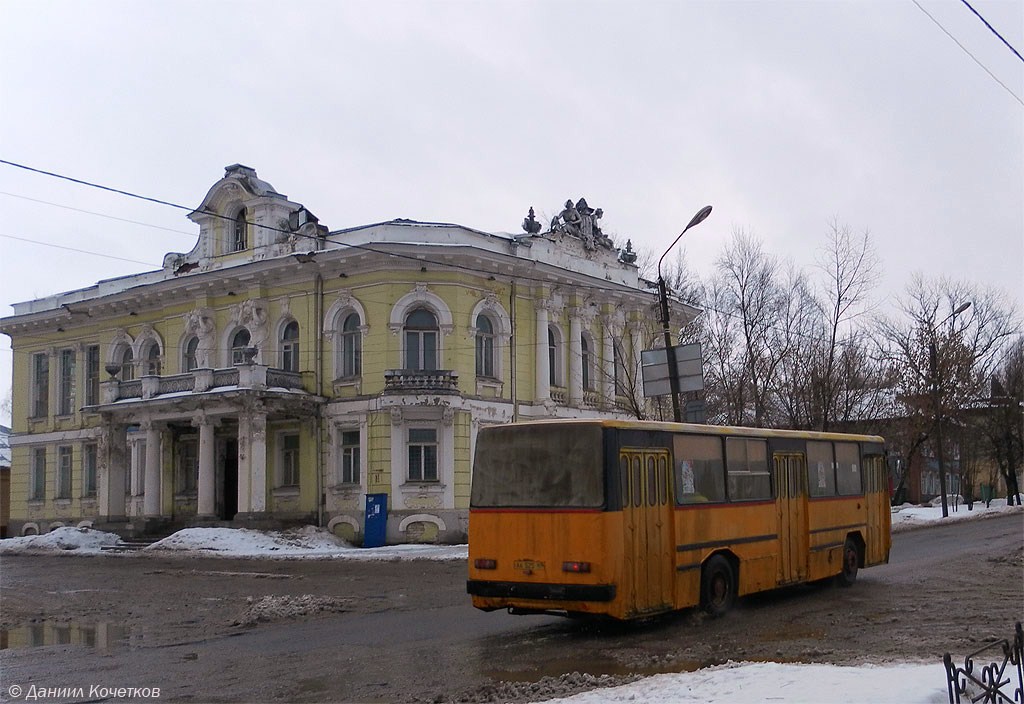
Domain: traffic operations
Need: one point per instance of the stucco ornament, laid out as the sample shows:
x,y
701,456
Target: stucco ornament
x,y
199,322
580,221
252,315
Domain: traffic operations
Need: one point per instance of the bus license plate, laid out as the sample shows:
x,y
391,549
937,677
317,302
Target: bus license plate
x,y
528,565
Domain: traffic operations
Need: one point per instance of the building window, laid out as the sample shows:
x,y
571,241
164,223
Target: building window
x,y
90,458
190,360
349,457
188,465
421,340
588,361
64,472
66,387
152,359
422,455
484,346
351,347
289,459
239,241
239,343
127,364
554,358
40,385
290,347
619,368
37,489
92,375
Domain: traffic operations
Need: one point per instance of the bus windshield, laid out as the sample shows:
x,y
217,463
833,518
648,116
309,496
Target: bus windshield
x,y
538,466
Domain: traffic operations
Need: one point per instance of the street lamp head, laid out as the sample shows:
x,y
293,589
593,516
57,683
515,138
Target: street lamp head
x,y
962,308
700,217
697,219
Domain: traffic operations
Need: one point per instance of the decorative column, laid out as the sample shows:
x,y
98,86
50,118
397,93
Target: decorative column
x,y
543,370
252,460
151,500
206,507
575,360
608,362
112,459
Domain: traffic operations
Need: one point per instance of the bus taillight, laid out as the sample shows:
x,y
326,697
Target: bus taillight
x,y
578,567
483,563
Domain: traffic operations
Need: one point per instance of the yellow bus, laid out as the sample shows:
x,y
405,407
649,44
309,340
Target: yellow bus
x,y
629,519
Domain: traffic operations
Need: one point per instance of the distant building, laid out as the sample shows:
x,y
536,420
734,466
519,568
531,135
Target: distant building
x,y
281,372
5,480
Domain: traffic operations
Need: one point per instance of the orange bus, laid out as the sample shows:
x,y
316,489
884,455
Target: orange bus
x,y
629,519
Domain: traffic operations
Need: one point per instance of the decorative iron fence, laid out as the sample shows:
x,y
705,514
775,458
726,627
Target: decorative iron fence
x,y
984,679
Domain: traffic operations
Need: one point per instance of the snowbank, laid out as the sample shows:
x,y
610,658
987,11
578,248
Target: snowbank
x,y
908,683
77,540
910,516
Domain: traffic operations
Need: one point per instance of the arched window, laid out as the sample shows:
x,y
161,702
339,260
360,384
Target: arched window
x,y
127,364
351,361
239,240
421,340
588,377
189,359
290,347
152,359
484,346
239,343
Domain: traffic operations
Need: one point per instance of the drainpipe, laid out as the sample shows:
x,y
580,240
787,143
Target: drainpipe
x,y
512,351
318,307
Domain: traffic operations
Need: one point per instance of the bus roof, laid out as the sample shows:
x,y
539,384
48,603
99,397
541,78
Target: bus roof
x,y
701,429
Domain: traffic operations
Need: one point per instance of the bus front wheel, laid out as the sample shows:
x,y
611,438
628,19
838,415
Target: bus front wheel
x,y
851,562
718,586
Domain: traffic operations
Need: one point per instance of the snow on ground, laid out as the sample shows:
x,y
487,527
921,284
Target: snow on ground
x,y
913,516
769,682
66,539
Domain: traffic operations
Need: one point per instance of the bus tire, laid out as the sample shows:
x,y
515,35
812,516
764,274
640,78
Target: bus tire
x,y
851,562
717,586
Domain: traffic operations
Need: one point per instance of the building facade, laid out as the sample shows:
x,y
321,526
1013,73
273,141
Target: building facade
x,y
280,372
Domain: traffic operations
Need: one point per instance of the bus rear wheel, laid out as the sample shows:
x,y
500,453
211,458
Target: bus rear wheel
x,y
851,563
718,586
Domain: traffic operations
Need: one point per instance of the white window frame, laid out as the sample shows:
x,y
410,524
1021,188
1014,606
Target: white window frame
x,y
187,477
290,347
350,457
90,469
423,444
40,385
350,347
67,362
92,375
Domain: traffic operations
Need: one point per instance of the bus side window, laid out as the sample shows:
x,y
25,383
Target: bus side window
x,y
821,477
663,479
747,466
699,472
652,482
848,474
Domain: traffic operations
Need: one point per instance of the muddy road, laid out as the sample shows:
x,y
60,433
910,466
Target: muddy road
x,y
218,630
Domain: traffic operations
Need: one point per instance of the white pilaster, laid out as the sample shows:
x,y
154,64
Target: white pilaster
x,y
151,501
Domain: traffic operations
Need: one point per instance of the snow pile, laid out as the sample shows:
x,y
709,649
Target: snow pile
x,y
910,516
272,608
241,542
908,683
305,542
66,539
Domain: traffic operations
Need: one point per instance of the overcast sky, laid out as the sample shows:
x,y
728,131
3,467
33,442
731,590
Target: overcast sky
x,y
782,115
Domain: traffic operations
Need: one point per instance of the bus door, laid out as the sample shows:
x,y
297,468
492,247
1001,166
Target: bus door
x,y
876,496
791,505
648,546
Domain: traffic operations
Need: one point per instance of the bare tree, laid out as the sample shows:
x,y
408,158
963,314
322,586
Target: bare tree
x,y
851,269
1003,421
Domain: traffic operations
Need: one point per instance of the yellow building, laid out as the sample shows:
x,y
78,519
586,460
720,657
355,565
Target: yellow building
x,y
280,372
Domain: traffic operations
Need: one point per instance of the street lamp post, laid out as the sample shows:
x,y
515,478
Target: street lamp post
x,y
933,365
670,349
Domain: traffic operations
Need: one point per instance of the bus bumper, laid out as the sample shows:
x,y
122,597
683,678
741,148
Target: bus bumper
x,y
541,592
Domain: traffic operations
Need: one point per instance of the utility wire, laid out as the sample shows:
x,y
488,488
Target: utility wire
x,y
992,29
80,251
102,215
937,24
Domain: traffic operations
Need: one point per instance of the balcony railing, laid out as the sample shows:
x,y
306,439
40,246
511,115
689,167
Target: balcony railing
x,y
403,381
251,376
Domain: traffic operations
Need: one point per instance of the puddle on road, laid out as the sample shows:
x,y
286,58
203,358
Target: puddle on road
x,y
43,633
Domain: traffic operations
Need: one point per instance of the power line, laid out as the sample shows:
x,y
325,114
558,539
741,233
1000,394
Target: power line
x,y
992,29
937,24
80,251
102,215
